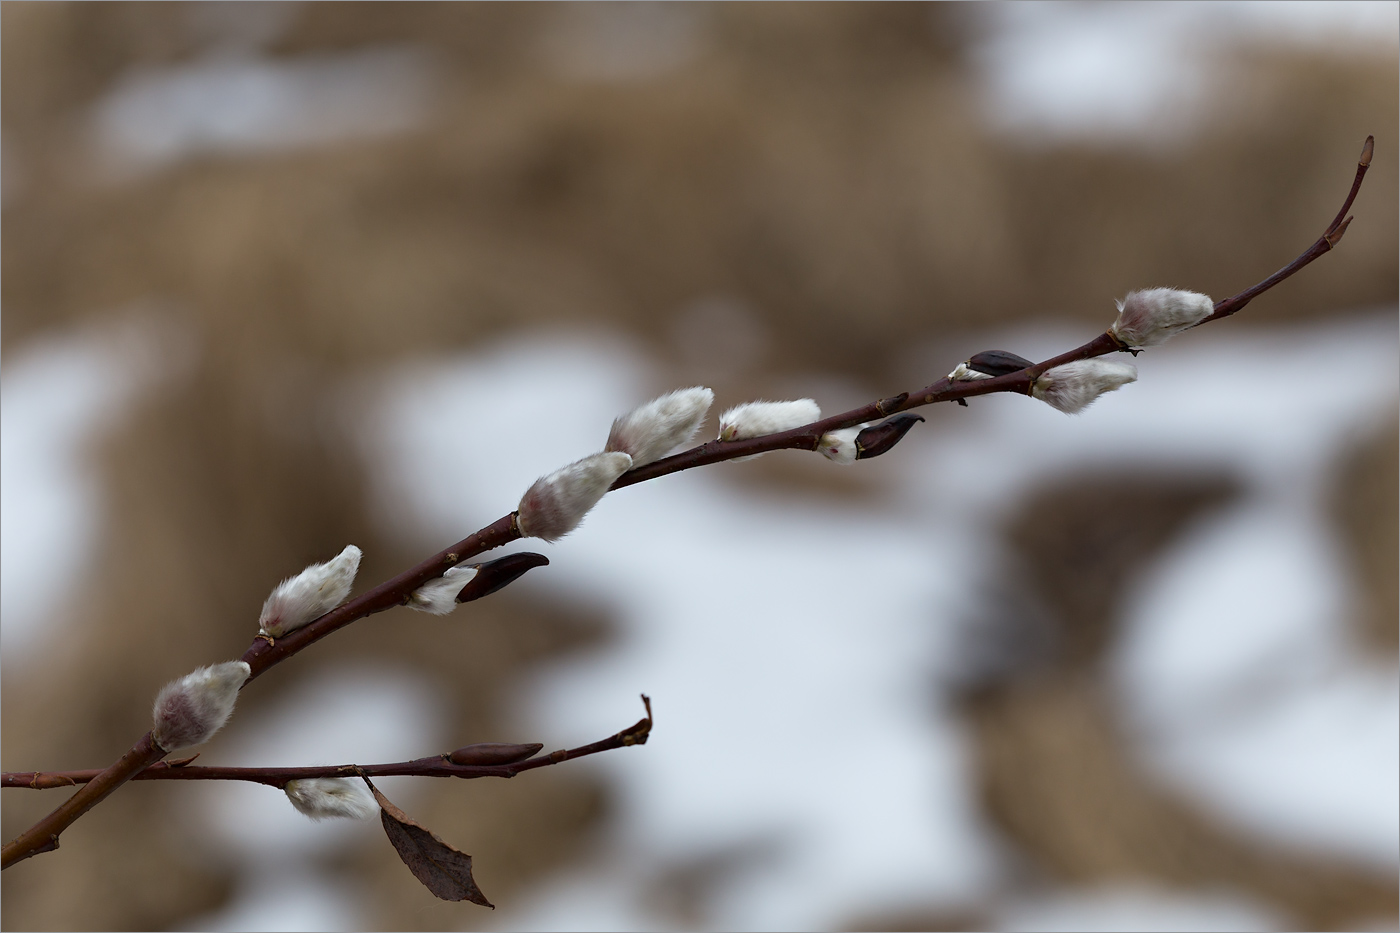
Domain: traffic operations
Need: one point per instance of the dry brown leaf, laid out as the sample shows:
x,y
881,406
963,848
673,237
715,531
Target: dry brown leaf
x,y
444,870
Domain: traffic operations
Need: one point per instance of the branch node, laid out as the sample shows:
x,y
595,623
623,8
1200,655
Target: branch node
x,y
887,405
1335,236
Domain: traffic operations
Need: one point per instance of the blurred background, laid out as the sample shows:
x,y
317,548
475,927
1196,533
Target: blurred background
x,y
283,277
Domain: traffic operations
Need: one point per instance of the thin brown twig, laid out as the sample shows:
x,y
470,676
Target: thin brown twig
x,y
434,766
265,653
808,436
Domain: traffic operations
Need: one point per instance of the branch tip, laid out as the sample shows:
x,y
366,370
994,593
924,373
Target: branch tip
x,y
1367,150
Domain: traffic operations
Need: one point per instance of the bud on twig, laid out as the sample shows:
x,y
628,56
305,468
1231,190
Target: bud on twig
x,y
493,753
556,503
840,446
190,710
1073,387
998,362
440,596
326,798
987,364
1152,316
880,438
499,573
651,431
310,594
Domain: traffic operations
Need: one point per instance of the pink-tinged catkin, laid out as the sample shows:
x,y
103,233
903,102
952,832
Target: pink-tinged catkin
x,y
651,431
190,710
310,594
328,798
1153,316
1073,387
556,503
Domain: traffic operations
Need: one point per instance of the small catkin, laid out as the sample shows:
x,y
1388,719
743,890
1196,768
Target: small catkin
x,y
754,419
1074,386
440,596
310,594
190,710
651,431
557,503
1153,316
329,798
840,446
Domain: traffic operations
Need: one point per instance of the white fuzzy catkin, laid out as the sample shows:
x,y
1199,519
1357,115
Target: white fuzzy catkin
x,y
440,596
326,798
190,710
310,594
1152,316
1073,387
754,419
556,503
964,373
651,431
840,446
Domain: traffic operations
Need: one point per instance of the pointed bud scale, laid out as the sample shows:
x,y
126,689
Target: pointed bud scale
x,y
310,594
501,572
327,798
1073,387
556,503
839,446
440,596
988,364
876,440
190,710
1155,315
653,430
998,362
493,753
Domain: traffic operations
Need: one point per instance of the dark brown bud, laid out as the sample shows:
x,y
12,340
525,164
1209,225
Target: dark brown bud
x,y
493,753
503,571
879,438
997,362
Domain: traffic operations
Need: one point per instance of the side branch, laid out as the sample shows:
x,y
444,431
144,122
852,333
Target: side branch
x,y
1329,239
434,766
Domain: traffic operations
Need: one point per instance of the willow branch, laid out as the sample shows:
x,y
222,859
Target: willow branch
x,y
264,653
43,835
